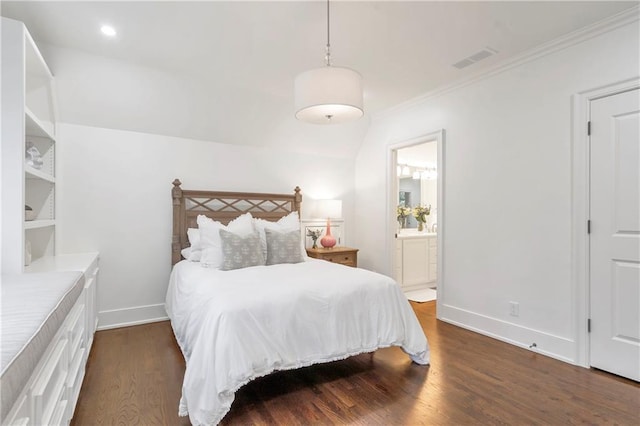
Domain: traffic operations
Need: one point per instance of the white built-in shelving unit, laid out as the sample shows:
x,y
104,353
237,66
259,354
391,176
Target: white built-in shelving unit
x,y
28,116
50,394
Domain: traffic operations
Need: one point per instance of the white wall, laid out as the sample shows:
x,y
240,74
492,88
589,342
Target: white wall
x,y
114,196
507,189
109,93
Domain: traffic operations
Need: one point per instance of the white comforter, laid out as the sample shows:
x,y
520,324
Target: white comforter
x,y
235,326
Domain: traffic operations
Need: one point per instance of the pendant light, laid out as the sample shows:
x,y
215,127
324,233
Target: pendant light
x,y
328,95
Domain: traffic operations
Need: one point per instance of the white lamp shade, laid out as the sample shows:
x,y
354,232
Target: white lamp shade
x,y
329,209
328,95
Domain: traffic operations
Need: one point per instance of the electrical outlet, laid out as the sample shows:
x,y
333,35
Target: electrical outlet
x,y
514,309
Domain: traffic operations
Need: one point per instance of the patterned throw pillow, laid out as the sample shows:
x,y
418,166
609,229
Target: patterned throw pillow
x,y
240,251
283,247
290,222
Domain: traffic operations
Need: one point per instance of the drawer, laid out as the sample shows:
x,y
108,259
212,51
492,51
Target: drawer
x,y
20,413
59,414
74,381
22,421
76,349
349,259
48,390
76,327
91,289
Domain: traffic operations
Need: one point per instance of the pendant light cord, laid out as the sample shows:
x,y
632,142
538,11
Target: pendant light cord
x,y
327,57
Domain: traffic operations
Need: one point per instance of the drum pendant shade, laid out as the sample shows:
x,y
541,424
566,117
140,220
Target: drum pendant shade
x,y
328,95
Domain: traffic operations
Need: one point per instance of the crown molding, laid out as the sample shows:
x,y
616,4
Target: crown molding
x,y
575,37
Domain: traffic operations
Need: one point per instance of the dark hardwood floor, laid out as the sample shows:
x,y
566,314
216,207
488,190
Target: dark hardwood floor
x,y
134,376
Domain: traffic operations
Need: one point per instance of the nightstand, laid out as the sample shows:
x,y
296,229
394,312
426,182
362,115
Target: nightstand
x,y
343,255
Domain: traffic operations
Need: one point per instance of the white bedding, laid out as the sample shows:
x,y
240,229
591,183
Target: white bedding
x,y
235,326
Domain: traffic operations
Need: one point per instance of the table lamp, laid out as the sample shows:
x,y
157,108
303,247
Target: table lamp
x,y
329,209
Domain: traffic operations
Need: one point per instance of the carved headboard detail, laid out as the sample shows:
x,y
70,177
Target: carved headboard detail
x,y
223,207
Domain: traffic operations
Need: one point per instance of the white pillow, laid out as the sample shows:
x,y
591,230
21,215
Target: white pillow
x,y
290,222
186,252
194,251
210,237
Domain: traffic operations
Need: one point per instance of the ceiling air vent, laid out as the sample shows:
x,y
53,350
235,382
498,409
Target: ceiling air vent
x,y
478,56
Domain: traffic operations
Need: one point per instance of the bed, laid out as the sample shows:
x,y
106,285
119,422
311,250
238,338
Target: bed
x,y
239,324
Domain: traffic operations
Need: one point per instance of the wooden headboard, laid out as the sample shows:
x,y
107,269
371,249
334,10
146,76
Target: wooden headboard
x,y
223,207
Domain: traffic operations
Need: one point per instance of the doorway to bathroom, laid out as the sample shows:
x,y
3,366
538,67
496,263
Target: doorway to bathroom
x,y
416,178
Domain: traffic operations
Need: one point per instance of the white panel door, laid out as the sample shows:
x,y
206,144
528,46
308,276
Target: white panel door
x,y
615,234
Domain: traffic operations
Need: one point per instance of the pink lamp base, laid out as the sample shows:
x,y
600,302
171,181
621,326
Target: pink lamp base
x,y
328,241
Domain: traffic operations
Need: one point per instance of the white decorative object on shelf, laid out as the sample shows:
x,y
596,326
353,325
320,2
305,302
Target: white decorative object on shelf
x,y
33,157
29,214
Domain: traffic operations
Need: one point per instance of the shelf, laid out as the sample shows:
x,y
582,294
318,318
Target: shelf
x,y
35,127
33,173
36,224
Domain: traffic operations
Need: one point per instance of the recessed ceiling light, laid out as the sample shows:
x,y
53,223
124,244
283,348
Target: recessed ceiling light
x,y
108,30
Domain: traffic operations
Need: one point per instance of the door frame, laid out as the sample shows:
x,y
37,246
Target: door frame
x,y
438,137
580,197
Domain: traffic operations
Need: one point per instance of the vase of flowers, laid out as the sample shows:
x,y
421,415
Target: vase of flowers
x,y
402,214
421,213
314,234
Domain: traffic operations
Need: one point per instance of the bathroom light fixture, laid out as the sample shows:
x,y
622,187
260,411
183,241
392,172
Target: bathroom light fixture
x,y
430,174
328,95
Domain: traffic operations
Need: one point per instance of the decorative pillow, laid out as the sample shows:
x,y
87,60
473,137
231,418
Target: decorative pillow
x,y
210,237
240,251
283,247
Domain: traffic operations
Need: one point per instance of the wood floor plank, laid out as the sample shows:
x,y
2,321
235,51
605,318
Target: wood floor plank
x,y
134,376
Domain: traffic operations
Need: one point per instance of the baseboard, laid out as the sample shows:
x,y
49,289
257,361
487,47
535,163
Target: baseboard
x,y
131,316
546,344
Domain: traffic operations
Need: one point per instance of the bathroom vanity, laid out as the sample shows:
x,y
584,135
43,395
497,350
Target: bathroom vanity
x,y
416,259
